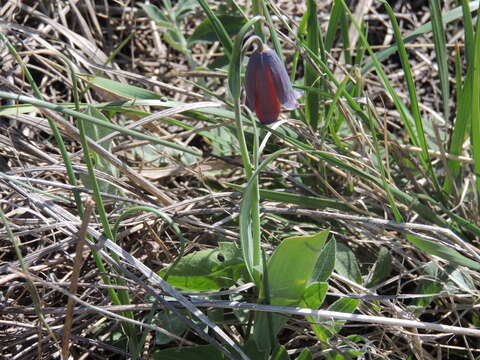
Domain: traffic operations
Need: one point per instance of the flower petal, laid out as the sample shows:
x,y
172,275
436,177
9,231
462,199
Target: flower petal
x,y
267,104
288,97
254,64
268,86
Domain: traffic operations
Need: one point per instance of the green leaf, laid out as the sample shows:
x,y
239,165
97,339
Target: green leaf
x,y
156,15
120,89
475,107
253,351
205,32
291,267
280,353
457,280
200,352
346,263
220,30
326,262
289,271
170,322
96,132
444,252
176,41
210,269
447,18
428,286
305,355
310,202
325,332
314,295
382,268
312,77
441,54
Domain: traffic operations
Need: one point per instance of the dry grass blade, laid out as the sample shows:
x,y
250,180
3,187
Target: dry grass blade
x,y
150,83
89,206
61,214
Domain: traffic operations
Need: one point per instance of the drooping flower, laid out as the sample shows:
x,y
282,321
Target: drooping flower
x,y
268,86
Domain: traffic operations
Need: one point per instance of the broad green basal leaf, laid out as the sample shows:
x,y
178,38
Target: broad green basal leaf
x,y
291,267
210,269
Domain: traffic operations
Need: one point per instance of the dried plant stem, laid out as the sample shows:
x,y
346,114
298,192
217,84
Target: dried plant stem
x,y
89,206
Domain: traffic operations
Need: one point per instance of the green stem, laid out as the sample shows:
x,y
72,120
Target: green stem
x,y
241,139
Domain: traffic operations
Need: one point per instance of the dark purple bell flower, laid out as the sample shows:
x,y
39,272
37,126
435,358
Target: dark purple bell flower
x,y
268,86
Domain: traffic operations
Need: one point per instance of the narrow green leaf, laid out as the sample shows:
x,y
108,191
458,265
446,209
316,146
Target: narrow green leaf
x,y
280,353
441,55
333,22
205,31
124,90
460,126
96,132
415,110
311,74
468,30
220,30
444,252
475,107
305,201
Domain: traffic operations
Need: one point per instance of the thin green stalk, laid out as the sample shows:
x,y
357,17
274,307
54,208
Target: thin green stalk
x,y
247,164
80,115
53,126
123,297
257,10
250,236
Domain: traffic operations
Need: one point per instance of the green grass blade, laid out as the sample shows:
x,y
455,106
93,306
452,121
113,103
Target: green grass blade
x,y
475,108
272,30
441,55
333,23
447,18
80,115
312,103
460,126
53,126
468,31
415,110
218,27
